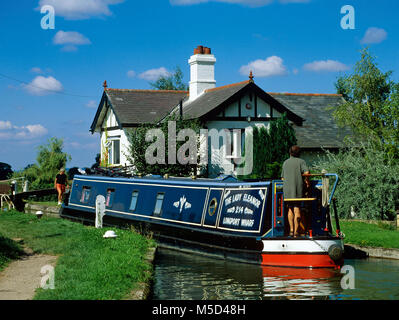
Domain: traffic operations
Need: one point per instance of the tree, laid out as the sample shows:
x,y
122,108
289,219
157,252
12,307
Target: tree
x,y
5,171
282,137
50,158
371,109
98,161
271,148
171,82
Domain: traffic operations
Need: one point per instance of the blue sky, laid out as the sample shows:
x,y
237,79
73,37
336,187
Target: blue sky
x,y
51,79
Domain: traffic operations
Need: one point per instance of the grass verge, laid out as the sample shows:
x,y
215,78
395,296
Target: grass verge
x,y
369,235
89,266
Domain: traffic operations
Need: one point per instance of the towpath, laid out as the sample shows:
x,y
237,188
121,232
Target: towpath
x,y
20,279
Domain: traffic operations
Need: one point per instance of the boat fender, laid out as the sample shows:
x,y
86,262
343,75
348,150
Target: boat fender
x,y
335,252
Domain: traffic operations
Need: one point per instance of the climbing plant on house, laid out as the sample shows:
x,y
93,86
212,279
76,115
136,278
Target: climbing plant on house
x,y
142,142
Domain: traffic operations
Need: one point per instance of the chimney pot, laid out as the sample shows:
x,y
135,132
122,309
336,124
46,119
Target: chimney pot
x,y
207,50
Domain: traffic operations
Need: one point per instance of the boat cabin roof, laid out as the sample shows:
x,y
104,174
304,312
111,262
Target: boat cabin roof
x,y
220,181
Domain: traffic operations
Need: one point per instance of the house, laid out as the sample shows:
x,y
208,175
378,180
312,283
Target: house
x,y
236,107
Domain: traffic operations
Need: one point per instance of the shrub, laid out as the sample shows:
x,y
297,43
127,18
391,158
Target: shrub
x,y
369,182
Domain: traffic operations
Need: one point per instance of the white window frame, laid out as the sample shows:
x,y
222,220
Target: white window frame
x,y
111,150
235,150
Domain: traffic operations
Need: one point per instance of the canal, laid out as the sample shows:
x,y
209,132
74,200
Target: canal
x,y
182,276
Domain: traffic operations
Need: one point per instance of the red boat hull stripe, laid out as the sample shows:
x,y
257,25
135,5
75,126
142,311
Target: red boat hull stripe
x,y
321,260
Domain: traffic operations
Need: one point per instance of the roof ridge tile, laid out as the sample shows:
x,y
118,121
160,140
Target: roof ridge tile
x,y
147,90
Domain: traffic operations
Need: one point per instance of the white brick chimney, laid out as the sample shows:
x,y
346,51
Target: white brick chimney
x,y
202,71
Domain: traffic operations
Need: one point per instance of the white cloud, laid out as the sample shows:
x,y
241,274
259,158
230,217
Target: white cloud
x,y
154,74
131,73
325,65
91,104
250,3
40,70
41,86
5,125
80,145
271,66
69,48
80,9
69,40
374,35
36,70
70,37
12,132
294,1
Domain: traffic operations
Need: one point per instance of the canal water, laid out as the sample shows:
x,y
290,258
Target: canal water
x,y
182,276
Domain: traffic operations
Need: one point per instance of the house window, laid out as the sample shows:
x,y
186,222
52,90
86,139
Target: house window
x,y
158,203
233,145
110,197
133,202
85,194
114,151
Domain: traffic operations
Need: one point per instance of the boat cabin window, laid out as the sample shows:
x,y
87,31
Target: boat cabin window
x,y
133,202
85,194
158,203
110,197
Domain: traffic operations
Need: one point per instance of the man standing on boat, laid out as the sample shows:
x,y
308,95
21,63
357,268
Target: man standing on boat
x,y
293,186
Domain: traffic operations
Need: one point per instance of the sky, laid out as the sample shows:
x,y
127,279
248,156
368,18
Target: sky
x,y
51,74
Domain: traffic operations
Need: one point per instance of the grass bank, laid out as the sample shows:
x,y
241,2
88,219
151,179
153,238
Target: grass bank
x,y
89,266
370,235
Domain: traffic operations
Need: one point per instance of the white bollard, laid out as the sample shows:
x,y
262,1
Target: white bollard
x,y
100,210
26,186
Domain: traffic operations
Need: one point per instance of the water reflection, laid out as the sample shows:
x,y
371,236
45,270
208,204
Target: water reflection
x,y
375,279
294,283
186,276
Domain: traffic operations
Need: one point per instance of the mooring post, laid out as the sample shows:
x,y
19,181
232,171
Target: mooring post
x,y
100,210
397,219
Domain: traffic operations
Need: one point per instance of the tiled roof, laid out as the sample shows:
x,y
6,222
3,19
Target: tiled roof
x,y
210,99
135,107
143,106
319,128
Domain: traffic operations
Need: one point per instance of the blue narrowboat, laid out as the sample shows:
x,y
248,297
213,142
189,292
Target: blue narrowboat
x,y
222,217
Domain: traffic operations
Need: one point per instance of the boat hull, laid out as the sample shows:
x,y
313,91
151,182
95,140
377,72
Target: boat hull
x,y
302,252
278,252
235,220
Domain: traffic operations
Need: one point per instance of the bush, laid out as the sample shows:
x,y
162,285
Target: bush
x,y
369,182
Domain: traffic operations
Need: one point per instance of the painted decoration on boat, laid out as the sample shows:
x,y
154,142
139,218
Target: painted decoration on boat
x,y
182,203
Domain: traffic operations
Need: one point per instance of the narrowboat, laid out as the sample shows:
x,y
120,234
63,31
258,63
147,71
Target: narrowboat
x,y
223,217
